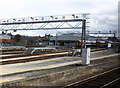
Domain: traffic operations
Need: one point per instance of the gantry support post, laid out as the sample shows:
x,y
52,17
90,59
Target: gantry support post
x,y
83,35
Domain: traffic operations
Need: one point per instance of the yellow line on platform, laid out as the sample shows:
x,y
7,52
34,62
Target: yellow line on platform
x,y
28,57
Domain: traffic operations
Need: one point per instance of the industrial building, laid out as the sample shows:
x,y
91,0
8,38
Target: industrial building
x,y
69,40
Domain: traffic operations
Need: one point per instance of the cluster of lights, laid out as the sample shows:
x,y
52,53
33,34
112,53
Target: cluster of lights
x,y
74,16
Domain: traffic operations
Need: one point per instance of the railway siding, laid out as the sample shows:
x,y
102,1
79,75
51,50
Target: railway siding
x,y
31,58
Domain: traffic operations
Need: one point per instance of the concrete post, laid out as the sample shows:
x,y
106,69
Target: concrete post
x,y
86,56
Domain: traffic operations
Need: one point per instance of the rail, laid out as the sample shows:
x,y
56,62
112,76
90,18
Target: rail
x,y
102,80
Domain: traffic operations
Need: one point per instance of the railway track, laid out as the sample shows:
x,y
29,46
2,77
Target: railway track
x,y
31,58
11,52
16,55
21,58
5,56
108,79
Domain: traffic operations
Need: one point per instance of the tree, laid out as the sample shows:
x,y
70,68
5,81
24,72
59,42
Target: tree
x,y
17,38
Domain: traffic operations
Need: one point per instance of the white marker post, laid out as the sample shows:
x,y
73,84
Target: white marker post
x,y
86,56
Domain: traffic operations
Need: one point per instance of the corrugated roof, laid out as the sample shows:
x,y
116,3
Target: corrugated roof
x,y
72,37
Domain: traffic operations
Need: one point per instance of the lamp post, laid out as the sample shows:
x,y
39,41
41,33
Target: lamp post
x,y
56,40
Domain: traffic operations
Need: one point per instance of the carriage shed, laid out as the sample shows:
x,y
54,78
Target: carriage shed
x,y
68,40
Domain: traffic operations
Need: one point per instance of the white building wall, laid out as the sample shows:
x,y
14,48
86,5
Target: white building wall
x,y
5,37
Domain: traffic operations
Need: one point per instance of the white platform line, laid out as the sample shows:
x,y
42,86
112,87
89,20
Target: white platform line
x,y
105,56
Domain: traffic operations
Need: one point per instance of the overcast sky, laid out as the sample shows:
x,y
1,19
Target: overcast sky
x,y
103,13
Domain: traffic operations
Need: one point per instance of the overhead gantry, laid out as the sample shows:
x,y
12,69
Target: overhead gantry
x,y
70,21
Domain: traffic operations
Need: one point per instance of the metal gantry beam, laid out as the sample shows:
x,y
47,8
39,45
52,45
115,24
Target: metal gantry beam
x,y
75,24
70,21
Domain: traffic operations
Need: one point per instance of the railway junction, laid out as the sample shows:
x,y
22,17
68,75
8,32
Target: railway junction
x,y
37,67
